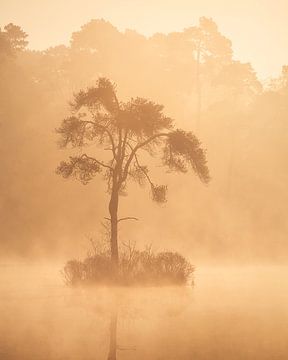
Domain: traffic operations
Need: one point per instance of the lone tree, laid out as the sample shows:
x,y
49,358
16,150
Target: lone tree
x,y
124,129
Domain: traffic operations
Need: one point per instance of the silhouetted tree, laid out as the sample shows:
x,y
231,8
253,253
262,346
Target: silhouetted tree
x,y
95,35
5,46
240,81
280,84
12,40
208,44
13,37
126,129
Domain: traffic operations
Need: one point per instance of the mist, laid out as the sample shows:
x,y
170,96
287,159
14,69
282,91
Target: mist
x,y
232,226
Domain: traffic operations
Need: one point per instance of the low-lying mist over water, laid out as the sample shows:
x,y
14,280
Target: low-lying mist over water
x,y
143,182
230,313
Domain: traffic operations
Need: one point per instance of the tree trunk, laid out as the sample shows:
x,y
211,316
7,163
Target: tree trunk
x,y
198,88
113,210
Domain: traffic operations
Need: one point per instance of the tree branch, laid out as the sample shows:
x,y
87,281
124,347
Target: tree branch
x,y
144,172
128,218
136,148
141,167
122,219
124,144
97,161
104,128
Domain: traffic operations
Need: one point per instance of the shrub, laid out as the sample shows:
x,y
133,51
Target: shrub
x,y
138,268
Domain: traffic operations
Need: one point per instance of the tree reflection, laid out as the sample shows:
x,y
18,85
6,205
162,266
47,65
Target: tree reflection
x,y
112,355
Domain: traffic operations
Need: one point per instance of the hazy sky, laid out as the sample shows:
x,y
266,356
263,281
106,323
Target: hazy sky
x,y
257,28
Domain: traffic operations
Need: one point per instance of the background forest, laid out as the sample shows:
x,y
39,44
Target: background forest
x,y
241,122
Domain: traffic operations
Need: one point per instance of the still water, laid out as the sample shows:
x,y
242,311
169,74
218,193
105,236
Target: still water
x,y
230,313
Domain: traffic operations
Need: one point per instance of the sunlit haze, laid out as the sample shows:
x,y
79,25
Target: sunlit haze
x,y
143,180
258,29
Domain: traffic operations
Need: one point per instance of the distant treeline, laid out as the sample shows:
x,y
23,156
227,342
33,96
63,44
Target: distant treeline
x,y
242,123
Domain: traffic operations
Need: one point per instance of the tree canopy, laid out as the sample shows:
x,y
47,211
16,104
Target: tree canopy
x,y
126,128
12,39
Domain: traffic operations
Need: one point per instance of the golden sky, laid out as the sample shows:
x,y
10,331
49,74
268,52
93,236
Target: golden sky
x,y
257,28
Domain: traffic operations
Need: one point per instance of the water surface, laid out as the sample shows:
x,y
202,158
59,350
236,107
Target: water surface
x,y
231,313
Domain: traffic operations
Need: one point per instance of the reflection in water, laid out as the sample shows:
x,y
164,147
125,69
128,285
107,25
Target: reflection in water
x,y
113,326
144,306
231,313
113,334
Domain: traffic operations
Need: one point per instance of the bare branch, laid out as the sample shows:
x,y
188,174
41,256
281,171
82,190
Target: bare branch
x,y
128,218
123,219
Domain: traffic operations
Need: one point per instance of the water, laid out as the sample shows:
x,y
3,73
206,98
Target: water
x,y
231,313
